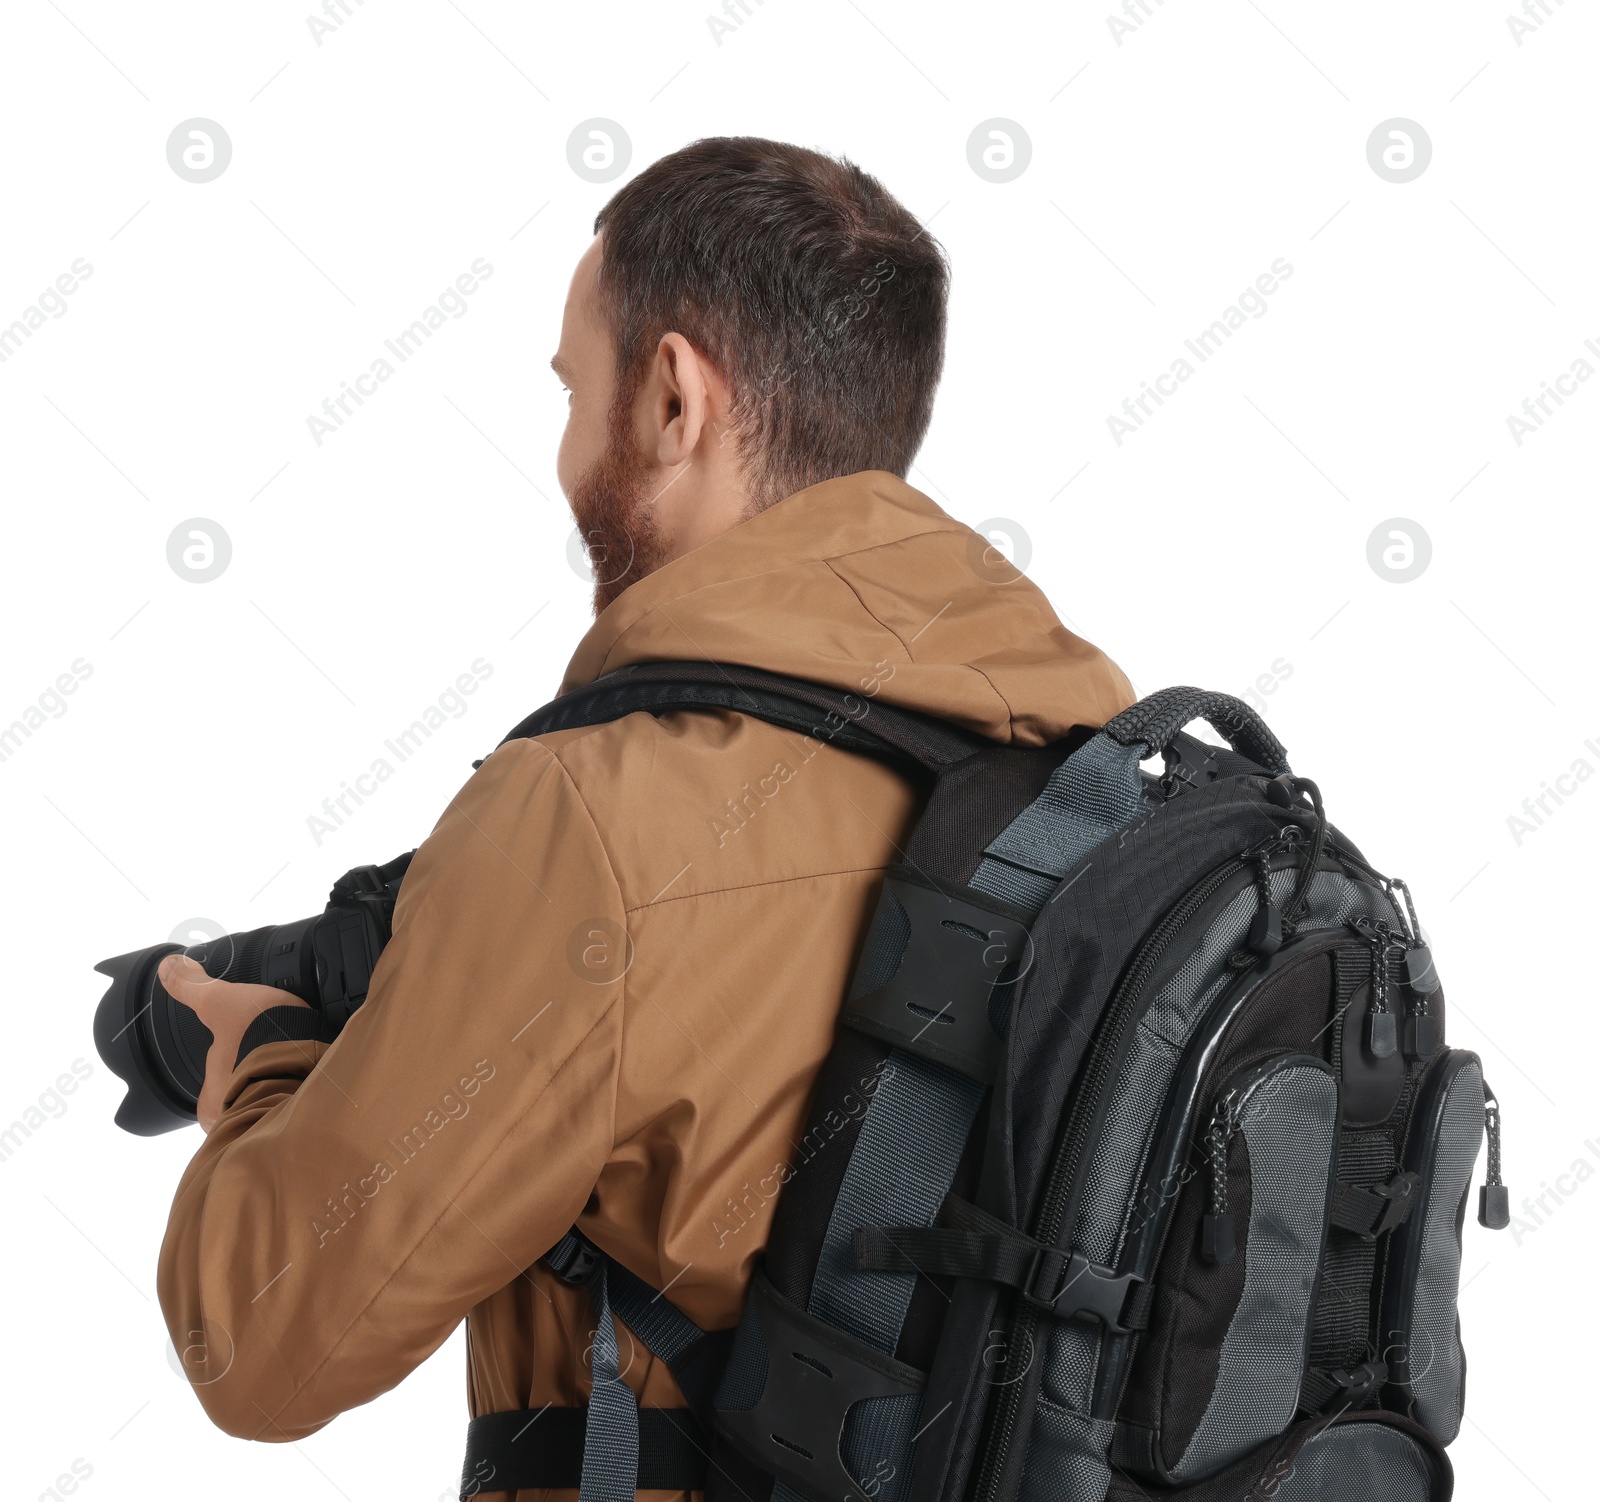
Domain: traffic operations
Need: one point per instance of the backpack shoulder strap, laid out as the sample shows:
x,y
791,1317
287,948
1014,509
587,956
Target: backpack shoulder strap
x,y
853,721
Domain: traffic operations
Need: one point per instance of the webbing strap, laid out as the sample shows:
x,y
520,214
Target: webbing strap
x,y
664,1328
611,1434
1092,794
976,1245
695,1357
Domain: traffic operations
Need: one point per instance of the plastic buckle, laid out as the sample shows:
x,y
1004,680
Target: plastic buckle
x,y
573,1258
1071,1285
1399,1196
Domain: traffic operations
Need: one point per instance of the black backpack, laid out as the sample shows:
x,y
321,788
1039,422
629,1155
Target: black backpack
x,y
1137,1170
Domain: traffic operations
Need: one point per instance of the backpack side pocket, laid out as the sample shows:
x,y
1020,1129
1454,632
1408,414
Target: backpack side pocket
x,y
1422,1337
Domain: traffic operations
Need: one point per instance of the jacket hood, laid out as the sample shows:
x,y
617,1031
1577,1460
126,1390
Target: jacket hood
x,y
843,578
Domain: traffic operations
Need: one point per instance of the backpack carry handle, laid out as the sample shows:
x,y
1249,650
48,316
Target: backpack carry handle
x,y
1155,720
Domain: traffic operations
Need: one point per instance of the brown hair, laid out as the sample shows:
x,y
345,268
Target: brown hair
x,y
813,291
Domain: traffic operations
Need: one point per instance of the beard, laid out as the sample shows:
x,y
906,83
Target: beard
x,y
613,507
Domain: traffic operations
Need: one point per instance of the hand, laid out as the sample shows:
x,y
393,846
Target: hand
x,y
227,1008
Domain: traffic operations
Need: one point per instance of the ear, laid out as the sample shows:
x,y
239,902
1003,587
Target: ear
x,y
678,400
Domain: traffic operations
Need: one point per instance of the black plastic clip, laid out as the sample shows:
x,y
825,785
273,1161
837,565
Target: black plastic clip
x,y
1399,1197
1068,1285
1371,1210
573,1258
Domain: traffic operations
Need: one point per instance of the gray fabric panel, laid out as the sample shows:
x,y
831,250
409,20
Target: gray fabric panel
x,y
1071,1355
1184,999
1358,1463
1435,1344
1289,1124
1066,1457
1093,793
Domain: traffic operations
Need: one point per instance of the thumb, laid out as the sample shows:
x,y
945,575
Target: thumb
x,y
185,979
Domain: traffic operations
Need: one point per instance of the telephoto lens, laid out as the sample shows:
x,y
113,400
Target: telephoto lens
x,y
158,1046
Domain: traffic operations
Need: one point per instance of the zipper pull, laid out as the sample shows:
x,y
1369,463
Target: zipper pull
x,y
1494,1199
1266,925
1423,1039
1217,1241
1382,1033
1424,1035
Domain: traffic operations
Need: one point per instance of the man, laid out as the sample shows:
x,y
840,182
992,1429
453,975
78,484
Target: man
x,y
618,959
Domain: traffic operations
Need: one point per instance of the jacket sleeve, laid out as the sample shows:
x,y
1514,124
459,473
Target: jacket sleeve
x,y
358,1197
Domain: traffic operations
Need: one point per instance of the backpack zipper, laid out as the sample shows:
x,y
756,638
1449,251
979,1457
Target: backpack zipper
x,y
1098,1077
1217,1240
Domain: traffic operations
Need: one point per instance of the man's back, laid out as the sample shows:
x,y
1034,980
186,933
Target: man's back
x,y
616,969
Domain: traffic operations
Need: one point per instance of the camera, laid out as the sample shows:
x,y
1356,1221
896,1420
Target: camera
x,y
158,1046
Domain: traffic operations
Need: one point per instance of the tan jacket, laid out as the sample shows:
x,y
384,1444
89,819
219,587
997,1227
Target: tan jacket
x,y
616,967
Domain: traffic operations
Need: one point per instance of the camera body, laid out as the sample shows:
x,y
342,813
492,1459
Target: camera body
x,y
158,1046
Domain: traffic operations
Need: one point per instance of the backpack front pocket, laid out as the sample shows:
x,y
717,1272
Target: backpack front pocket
x,y
1218,1371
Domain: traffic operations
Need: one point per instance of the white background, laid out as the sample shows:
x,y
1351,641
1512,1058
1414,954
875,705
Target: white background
x,y
1228,534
